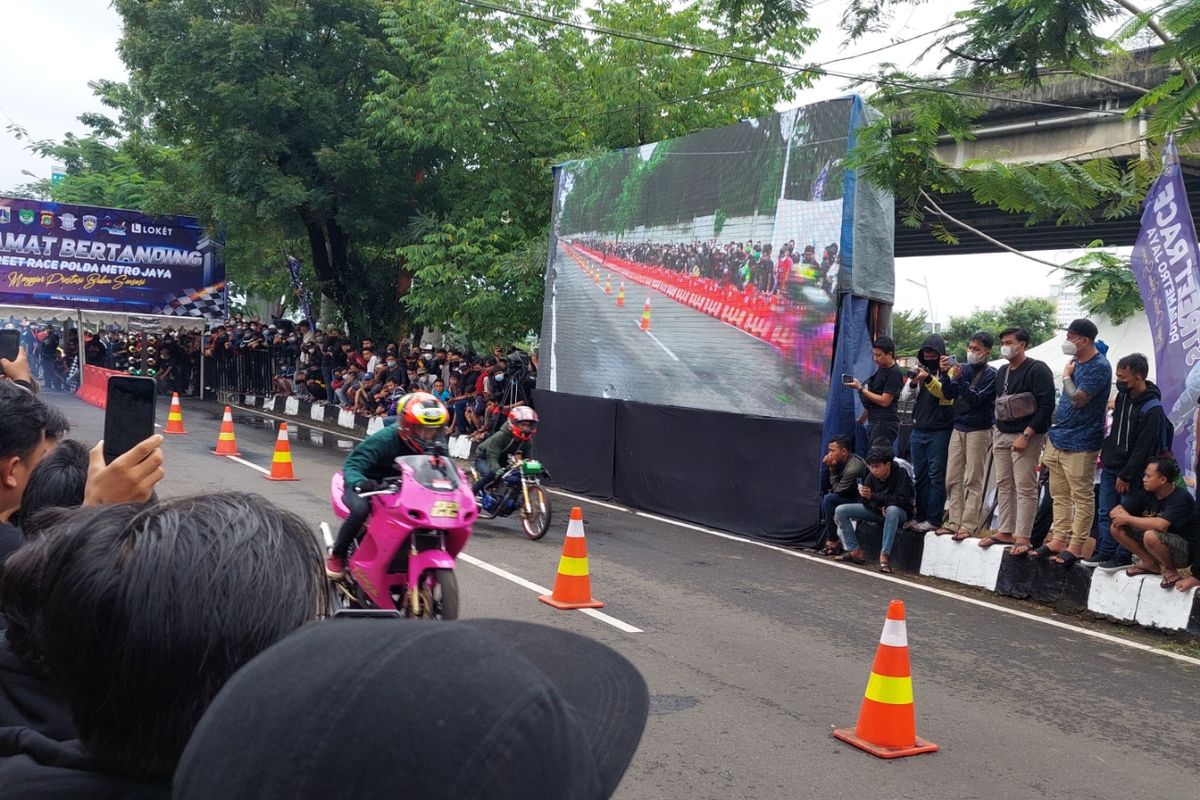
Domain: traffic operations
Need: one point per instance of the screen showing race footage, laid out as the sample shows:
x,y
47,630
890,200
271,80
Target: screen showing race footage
x,y
702,271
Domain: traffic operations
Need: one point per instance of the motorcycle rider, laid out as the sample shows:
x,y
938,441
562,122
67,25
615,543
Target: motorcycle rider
x,y
513,440
420,424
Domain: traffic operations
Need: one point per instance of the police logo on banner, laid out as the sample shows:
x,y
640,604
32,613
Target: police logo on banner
x,y
89,223
5,215
67,221
26,216
47,219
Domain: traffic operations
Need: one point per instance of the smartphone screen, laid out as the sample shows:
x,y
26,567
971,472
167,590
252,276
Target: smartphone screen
x,y
129,418
847,378
10,344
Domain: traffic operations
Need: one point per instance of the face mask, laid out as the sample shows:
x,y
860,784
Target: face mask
x,y
1122,386
974,359
391,364
1008,351
1069,348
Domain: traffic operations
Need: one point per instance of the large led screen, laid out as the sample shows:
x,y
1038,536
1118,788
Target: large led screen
x,y
704,271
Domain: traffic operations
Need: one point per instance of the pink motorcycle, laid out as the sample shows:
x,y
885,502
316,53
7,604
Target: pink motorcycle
x,y
420,520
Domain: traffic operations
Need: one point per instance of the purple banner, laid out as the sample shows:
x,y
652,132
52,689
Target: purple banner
x,y
1164,261
301,292
106,259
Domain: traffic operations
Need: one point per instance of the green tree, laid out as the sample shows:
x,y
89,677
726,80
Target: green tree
x,y
908,331
503,97
267,100
1035,314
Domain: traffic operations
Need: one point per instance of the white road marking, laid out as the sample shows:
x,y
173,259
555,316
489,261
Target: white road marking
x,y
246,463
666,349
805,556
892,579
533,587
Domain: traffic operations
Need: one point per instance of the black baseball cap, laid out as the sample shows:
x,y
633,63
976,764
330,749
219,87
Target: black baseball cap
x,y
405,708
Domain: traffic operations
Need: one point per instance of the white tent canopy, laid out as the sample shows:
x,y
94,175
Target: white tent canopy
x,y
97,319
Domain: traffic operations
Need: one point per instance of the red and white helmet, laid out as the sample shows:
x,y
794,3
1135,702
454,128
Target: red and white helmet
x,y
522,421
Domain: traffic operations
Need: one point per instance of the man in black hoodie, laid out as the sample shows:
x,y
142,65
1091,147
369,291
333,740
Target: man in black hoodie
x,y
933,419
1134,438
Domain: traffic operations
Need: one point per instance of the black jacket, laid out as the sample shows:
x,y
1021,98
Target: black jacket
x,y
36,767
1032,376
930,411
844,482
1134,437
28,700
897,490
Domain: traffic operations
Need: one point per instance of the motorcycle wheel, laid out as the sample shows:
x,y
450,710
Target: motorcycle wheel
x,y
341,596
537,522
441,600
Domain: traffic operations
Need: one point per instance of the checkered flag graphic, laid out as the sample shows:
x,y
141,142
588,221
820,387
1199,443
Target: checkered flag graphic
x,y
208,302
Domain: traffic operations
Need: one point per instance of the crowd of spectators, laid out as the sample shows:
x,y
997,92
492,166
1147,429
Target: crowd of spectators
x,y
1026,428
136,632
743,265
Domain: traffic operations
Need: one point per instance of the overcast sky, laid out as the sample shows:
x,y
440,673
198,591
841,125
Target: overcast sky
x,y
61,45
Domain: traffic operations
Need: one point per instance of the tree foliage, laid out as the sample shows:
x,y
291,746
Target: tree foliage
x,y
908,331
1035,314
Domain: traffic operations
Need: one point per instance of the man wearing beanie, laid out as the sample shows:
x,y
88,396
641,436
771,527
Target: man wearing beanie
x,y
1074,443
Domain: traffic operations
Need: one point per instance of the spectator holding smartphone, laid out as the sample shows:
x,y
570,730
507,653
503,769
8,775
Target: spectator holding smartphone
x,y
881,393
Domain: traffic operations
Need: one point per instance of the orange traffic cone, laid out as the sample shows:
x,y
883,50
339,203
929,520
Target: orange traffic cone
x,y
646,315
281,462
572,586
226,442
621,295
608,284
174,416
887,725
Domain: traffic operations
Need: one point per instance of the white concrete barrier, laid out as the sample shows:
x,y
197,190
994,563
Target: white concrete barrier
x,y
375,425
292,406
317,413
345,418
963,562
1115,594
1164,608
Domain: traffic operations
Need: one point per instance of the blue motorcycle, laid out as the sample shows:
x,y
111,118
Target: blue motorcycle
x,y
519,489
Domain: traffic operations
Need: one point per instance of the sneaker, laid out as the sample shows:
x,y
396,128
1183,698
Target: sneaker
x,y
335,567
1110,565
1094,560
911,525
925,527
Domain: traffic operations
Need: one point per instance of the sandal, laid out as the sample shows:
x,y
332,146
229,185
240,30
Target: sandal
x,y
944,531
1133,572
850,558
1042,552
961,536
1065,558
885,568
988,541
830,550
1167,583
1020,549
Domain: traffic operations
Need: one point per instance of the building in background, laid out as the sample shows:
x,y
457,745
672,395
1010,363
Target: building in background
x,y
1068,302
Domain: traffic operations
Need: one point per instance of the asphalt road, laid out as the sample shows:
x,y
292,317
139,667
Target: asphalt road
x,y
753,655
687,359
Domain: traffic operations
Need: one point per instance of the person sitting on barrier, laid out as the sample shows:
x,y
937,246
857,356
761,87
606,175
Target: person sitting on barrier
x,y
420,426
1158,526
887,498
846,470
881,394
514,441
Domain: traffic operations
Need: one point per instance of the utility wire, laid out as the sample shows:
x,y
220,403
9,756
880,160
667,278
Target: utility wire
x,y
816,69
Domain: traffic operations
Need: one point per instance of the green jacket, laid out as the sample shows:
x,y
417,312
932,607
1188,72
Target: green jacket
x,y
500,446
372,459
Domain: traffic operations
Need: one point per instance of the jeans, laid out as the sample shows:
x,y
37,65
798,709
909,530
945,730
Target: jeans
x,y
360,509
893,517
1106,545
486,475
327,375
929,450
829,504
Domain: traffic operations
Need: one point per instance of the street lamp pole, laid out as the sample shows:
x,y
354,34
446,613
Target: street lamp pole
x,y
928,301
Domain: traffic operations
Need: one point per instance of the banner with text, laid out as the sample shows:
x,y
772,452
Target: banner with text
x,y
1164,261
105,259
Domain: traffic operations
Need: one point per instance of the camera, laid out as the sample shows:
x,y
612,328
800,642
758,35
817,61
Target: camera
x,y
911,374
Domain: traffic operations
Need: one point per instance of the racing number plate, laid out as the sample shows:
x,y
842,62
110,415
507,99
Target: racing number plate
x,y
444,508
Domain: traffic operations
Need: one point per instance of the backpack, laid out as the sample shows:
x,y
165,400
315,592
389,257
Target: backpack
x,y
1166,433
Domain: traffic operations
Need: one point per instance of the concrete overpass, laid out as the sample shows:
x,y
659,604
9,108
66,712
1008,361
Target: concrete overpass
x,y
1011,130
